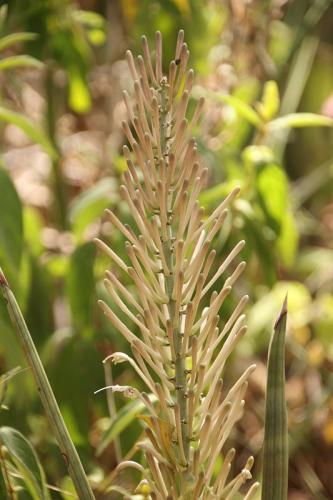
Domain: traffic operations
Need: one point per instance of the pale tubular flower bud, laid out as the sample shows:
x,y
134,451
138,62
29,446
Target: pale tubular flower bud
x,y
171,314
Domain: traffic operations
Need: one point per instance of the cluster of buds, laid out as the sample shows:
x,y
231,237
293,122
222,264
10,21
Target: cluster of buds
x,y
181,347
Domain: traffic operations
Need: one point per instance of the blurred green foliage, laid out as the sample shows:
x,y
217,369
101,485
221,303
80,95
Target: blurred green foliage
x,y
265,70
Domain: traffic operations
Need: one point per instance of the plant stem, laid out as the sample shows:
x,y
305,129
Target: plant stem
x,y
112,409
67,448
180,372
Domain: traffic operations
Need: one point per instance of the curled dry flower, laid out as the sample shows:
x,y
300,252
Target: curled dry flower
x,y
182,350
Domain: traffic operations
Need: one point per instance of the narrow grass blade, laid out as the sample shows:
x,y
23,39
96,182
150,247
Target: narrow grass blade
x,y
67,448
275,460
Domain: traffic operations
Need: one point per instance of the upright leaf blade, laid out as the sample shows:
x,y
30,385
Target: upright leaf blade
x,y
275,460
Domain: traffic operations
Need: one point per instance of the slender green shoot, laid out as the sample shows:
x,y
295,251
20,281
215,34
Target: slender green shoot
x,y
67,448
275,460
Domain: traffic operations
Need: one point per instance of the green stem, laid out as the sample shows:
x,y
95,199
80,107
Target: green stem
x,y
67,448
180,372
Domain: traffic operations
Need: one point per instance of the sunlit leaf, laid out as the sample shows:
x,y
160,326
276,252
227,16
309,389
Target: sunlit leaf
x,y
270,102
300,120
242,108
287,242
272,186
33,225
13,38
257,155
26,461
19,62
275,459
79,97
96,37
29,128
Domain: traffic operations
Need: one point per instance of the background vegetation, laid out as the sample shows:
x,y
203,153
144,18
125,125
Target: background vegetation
x,y
262,67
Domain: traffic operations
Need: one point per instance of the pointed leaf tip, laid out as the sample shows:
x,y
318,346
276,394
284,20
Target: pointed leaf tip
x,y
283,312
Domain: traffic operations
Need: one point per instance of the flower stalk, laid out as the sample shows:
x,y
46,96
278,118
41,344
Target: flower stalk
x,y
180,344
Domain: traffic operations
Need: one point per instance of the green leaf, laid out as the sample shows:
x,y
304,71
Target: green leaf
x,y
270,102
88,17
29,128
80,284
97,37
275,459
272,187
300,120
79,97
13,38
287,242
244,110
122,420
26,461
11,226
33,225
19,62
90,204
254,156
